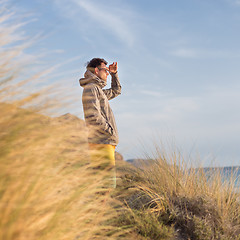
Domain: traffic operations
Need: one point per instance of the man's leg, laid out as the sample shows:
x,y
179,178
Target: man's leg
x,y
103,158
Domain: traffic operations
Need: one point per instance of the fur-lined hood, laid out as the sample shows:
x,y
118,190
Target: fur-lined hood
x,y
89,77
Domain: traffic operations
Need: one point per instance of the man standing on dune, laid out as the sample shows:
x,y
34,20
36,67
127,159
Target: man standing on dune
x,y
103,135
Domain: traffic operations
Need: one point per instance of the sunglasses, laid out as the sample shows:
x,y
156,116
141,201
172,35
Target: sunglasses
x,y
105,69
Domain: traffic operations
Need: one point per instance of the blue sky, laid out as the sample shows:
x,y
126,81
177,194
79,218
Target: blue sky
x,y
178,66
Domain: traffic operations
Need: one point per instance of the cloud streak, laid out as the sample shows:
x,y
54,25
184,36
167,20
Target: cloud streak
x,y
202,53
112,20
235,2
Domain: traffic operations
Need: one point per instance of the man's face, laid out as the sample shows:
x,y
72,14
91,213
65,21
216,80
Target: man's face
x,y
102,71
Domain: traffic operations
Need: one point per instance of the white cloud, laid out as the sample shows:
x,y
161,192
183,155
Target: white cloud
x,y
203,53
152,93
112,19
236,2
185,53
233,2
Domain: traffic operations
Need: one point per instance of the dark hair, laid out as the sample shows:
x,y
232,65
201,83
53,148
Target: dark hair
x,y
95,62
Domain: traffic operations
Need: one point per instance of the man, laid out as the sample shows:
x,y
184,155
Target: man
x,y
103,135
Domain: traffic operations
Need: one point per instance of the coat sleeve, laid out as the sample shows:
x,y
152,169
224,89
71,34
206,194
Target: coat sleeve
x,y
92,112
115,89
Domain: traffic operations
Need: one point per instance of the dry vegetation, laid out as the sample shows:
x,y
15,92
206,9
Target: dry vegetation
x,y
48,189
167,200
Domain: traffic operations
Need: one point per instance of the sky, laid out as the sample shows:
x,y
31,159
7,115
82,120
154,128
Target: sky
x,y
178,66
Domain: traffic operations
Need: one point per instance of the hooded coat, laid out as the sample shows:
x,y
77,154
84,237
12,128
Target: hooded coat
x,y
97,111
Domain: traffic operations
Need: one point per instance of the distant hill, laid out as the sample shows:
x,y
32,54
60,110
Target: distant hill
x,y
148,162
140,163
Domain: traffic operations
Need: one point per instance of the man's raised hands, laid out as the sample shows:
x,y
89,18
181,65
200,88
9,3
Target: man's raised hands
x,y
113,67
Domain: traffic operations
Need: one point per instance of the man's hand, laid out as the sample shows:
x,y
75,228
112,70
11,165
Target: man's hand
x,y
113,67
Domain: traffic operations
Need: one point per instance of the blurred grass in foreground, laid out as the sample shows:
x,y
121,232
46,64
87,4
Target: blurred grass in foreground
x,y
47,189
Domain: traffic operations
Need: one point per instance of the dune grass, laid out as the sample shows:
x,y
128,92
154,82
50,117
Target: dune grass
x,y
168,200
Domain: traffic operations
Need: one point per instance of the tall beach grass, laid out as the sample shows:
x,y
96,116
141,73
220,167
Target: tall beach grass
x,y
167,199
